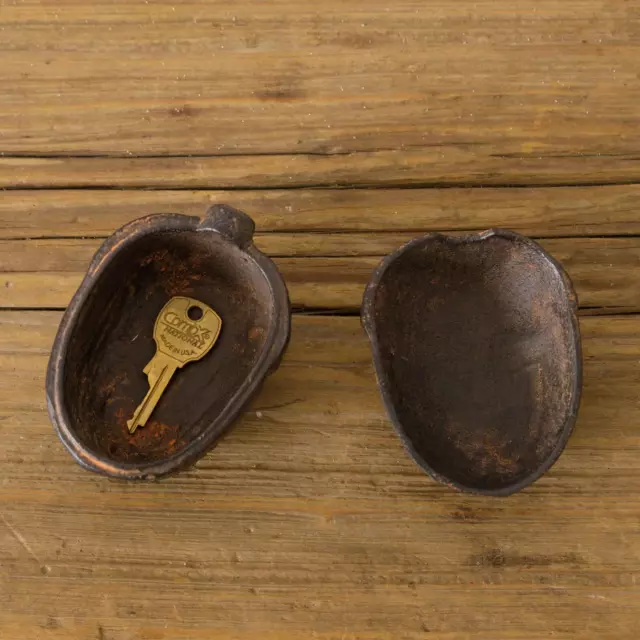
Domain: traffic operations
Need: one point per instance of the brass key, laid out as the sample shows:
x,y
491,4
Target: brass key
x,y
185,330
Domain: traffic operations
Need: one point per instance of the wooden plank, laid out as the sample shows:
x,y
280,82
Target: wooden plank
x,y
534,79
309,515
560,211
46,273
423,167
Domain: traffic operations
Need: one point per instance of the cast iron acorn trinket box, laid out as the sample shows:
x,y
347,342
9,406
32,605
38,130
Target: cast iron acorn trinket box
x,y
476,348
173,330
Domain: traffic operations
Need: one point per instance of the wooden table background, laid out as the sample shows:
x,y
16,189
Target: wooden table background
x,y
344,129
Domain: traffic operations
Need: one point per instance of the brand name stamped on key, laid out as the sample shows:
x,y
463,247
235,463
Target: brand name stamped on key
x,y
190,338
184,330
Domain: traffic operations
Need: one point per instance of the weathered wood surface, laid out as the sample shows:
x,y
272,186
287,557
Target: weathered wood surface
x,y
408,168
284,94
309,521
309,517
553,212
46,273
478,84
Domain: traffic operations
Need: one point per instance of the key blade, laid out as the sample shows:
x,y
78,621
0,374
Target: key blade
x,y
162,377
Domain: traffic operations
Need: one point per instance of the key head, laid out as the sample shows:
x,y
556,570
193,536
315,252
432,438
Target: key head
x,y
186,329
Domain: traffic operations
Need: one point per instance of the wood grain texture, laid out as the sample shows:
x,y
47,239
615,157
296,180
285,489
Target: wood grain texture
x,y
46,273
309,520
309,516
200,77
464,92
411,168
558,211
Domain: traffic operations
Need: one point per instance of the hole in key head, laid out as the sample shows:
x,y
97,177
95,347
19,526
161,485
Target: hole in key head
x,y
194,313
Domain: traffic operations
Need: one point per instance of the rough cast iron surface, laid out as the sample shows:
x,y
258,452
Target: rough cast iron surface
x,y
477,353
95,378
